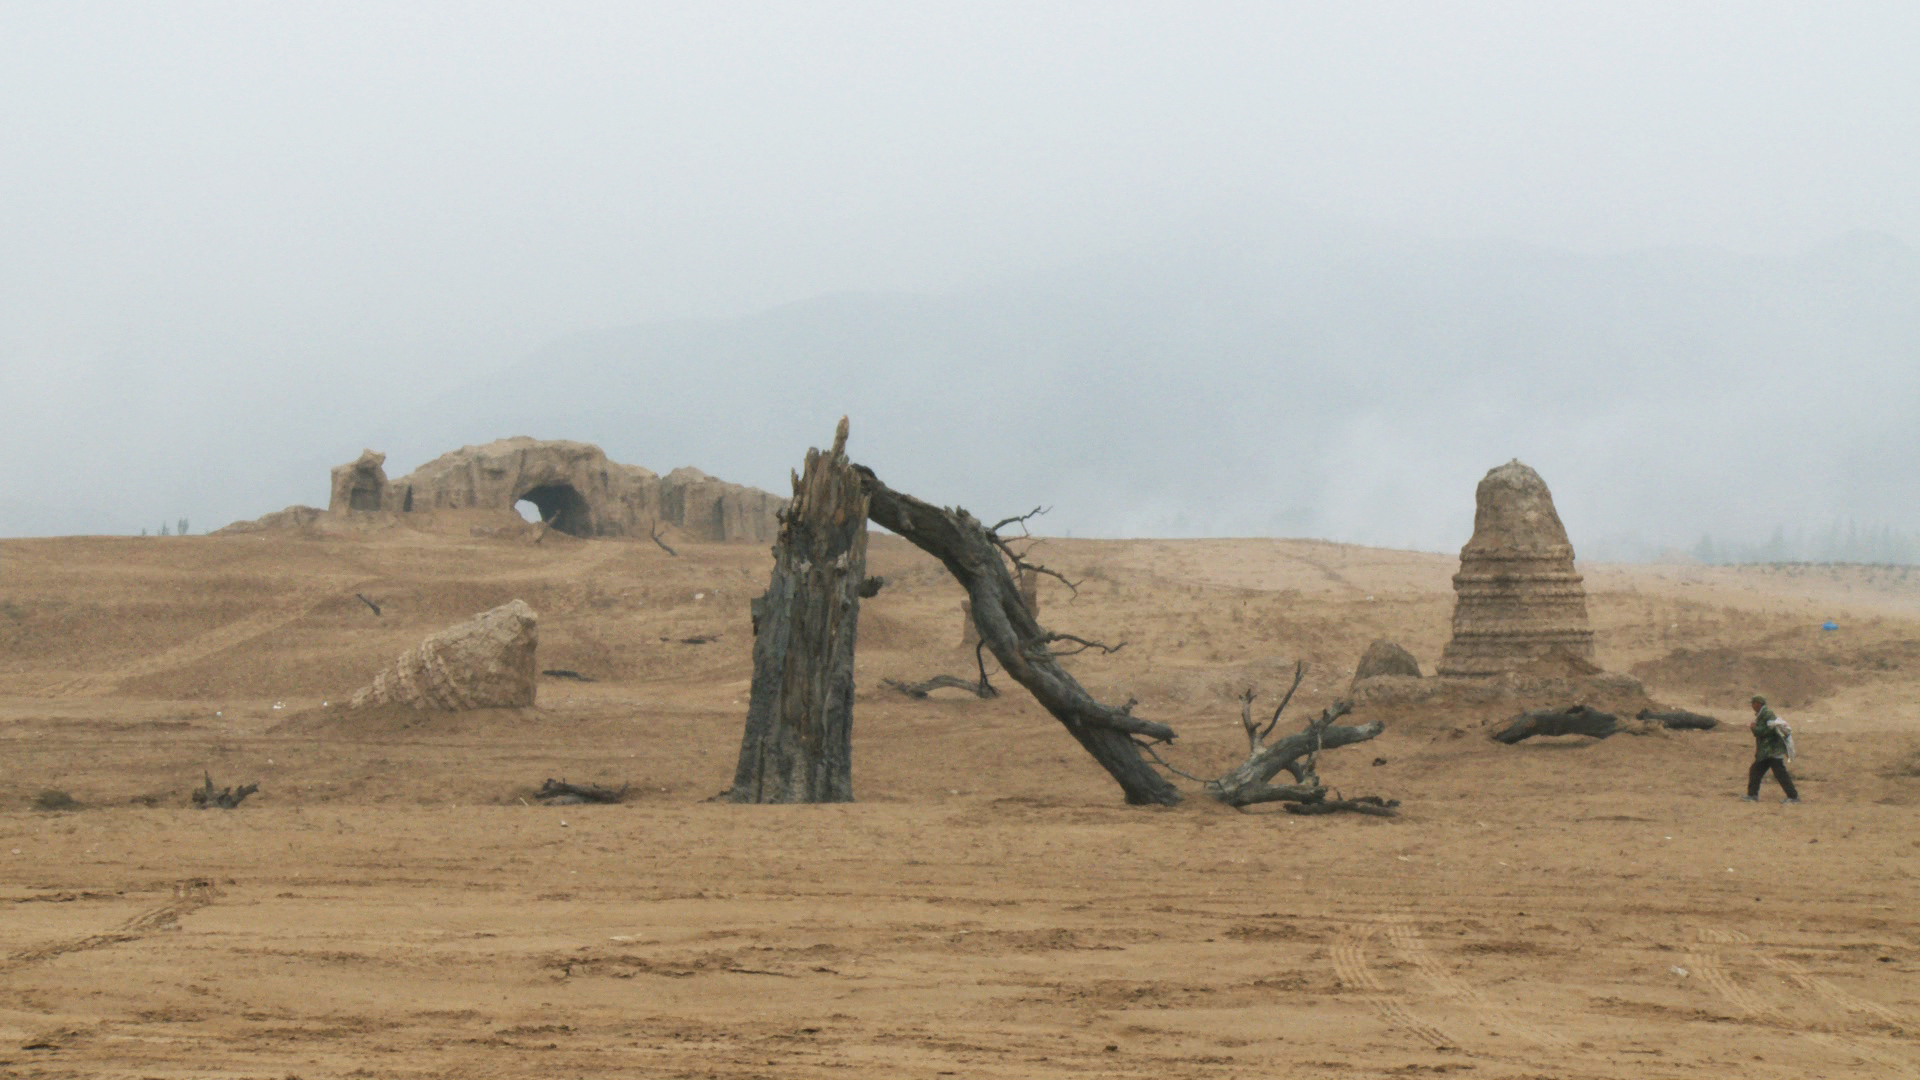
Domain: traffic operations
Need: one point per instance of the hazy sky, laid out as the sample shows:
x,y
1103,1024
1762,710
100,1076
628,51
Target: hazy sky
x,y
231,232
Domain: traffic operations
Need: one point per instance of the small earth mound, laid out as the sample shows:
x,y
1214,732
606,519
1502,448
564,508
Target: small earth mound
x,y
1383,657
1733,675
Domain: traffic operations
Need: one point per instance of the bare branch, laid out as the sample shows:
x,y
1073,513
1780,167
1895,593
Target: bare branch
x,y
980,659
1290,793
1147,748
1084,645
1299,673
1246,721
1020,520
981,689
663,543
1018,559
369,603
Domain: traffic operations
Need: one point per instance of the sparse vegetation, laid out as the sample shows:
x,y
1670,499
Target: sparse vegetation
x,y
55,799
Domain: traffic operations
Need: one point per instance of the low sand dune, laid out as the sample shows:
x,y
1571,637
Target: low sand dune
x,y
389,904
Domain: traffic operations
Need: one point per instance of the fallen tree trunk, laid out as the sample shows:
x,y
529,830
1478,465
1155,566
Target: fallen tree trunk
x,y
1573,720
978,559
798,744
1679,720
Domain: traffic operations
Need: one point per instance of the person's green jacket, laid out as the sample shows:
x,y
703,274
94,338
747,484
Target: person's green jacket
x,y
1769,741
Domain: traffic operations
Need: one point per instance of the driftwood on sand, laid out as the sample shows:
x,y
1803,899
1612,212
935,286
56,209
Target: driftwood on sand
x,y
1572,720
224,798
560,793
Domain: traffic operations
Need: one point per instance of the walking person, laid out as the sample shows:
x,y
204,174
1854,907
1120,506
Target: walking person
x,y
1772,749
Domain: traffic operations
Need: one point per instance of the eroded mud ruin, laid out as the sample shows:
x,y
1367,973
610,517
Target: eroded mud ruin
x,y
1517,598
577,490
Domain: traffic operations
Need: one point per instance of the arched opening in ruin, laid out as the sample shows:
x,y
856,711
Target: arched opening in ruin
x,y
562,508
365,492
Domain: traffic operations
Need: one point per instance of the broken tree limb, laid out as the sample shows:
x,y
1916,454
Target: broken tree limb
x,y
982,690
1372,805
560,793
1679,720
663,543
363,599
1298,753
978,560
798,743
224,798
1573,720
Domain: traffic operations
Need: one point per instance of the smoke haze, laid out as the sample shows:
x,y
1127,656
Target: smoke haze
x,y
1171,269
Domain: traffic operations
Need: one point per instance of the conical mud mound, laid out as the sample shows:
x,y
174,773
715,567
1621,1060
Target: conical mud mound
x,y
1517,598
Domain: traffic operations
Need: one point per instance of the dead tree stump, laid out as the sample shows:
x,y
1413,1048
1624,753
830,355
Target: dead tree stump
x,y
798,746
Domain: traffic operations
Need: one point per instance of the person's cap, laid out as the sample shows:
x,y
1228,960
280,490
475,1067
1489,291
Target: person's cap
x,y
1758,700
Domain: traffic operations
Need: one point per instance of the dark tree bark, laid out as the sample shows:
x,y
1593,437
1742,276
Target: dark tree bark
x,y
224,798
798,745
1029,583
977,559
560,793
1573,720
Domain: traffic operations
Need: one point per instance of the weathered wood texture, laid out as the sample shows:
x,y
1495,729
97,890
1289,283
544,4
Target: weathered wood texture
x,y
798,745
1029,582
1298,753
1007,625
1573,720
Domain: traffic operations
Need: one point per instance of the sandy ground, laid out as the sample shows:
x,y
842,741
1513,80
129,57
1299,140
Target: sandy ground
x,y
389,906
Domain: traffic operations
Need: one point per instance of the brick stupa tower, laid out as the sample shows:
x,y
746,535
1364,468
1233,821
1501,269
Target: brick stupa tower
x,y
1516,598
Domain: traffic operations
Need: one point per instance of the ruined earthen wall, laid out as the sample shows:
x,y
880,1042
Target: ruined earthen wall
x,y
1517,597
576,487
486,662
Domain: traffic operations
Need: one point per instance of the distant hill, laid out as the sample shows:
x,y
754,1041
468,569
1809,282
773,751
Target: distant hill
x,y
1299,384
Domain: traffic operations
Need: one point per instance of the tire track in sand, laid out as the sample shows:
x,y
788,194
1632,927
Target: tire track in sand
x,y
289,610
188,896
1807,980
1412,948
1705,959
1349,954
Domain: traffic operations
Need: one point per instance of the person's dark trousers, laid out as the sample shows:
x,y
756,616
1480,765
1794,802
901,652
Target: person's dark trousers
x,y
1759,771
